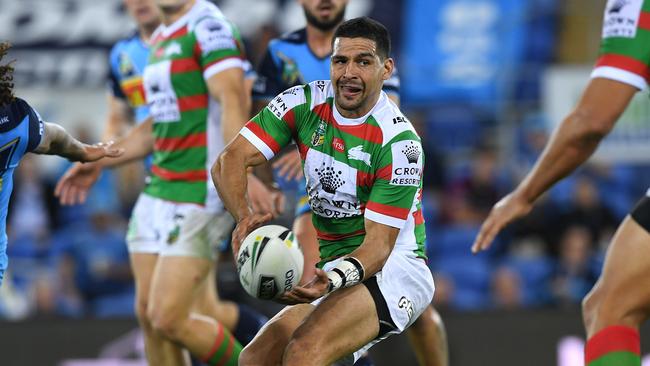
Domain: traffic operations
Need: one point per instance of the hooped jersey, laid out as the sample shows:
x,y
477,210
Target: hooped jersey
x,y
21,130
128,59
289,61
187,126
625,46
365,168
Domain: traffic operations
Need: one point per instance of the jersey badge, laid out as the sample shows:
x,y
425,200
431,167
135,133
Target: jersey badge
x,y
357,153
290,72
125,65
318,137
174,48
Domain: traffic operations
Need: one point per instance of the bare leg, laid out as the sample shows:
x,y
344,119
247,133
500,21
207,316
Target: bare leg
x,y
159,351
622,295
428,339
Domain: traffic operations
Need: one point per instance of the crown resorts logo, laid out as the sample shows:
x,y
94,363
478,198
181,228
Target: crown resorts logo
x,y
329,178
617,6
412,153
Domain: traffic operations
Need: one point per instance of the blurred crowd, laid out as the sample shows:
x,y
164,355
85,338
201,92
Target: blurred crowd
x,y
73,262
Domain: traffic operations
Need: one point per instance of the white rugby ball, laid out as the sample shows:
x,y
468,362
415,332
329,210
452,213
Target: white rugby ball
x,y
269,262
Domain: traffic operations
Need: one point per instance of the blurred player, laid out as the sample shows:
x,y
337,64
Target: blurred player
x,y
23,131
126,101
301,57
193,80
620,300
364,182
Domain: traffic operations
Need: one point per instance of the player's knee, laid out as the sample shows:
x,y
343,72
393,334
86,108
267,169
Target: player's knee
x,y
304,344
165,324
250,356
589,305
141,312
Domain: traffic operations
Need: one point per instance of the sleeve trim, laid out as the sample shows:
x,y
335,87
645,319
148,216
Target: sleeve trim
x,y
624,76
384,219
221,65
257,142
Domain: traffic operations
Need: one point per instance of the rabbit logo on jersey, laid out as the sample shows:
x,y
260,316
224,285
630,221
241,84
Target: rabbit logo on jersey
x,y
621,18
331,186
407,163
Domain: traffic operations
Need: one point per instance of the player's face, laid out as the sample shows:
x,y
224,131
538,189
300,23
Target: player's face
x,y
144,12
358,73
324,14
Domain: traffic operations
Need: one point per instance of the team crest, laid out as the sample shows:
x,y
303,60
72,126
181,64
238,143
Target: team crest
x,y
125,65
318,137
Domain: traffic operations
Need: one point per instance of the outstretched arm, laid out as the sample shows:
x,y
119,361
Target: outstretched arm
x,y
74,185
56,141
570,145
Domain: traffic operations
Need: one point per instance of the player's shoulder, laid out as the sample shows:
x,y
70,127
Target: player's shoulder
x,y
392,121
288,100
319,91
12,114
124,43
209,16
294,37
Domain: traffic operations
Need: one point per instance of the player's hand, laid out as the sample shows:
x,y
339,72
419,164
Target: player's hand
x,y
507,210
100,150
74,185
309,292
264,200
244,227
289,165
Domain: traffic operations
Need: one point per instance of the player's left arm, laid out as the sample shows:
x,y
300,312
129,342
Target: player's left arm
x,y
57,141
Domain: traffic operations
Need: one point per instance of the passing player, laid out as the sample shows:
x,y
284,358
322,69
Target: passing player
x,y
301,57
194,85
620,300
22,131
364,181
127,106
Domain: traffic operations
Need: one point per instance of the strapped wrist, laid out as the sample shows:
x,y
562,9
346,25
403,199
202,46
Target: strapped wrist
x,y
346,273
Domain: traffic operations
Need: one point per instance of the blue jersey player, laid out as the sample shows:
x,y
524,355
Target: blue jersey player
x,y
21,131
301,57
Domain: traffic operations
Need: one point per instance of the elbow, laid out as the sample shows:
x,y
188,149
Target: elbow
x,y
215,170
592,126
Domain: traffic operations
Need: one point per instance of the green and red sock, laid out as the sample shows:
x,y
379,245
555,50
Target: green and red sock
x,y
225,351
615,345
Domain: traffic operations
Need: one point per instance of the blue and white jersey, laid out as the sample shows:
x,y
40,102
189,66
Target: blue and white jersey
x,y
21,129
289,62
128,59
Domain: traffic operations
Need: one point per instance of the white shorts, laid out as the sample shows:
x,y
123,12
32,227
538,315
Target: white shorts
x,y
407,287
176,229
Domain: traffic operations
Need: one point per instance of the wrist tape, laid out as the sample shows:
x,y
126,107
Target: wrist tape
x,y
346,273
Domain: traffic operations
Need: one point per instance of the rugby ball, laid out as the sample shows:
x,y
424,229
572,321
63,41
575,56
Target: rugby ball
x,y
269,262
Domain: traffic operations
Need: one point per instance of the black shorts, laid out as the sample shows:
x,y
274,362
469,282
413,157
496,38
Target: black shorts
x,y
386,323
641,213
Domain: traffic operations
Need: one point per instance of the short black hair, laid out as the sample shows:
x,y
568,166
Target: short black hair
x,y
368,28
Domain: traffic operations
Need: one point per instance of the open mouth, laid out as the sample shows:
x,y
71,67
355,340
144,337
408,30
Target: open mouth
x,y
350,91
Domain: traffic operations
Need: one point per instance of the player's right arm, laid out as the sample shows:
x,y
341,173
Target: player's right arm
x,y
259,140
622,69
120,117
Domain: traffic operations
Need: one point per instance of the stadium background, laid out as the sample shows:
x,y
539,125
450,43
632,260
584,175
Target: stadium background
x,y
483,80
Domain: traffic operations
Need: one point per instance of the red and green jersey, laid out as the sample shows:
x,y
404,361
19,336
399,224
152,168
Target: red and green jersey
x,y
187,126
365,168
625,46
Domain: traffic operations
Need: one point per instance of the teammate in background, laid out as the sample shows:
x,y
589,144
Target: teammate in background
x,y
127,106
620,300
301,57
364,182
194,85
23,131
